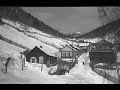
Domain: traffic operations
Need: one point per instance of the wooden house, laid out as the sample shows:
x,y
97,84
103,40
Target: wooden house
x,y
68,53
102,52
36,55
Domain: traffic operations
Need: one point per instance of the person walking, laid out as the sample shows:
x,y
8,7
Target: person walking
x,y
6,64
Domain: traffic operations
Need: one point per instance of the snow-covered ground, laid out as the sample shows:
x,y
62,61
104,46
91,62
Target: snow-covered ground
x,y
32,74
80,74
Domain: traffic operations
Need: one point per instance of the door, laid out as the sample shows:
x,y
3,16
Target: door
x,y
41,60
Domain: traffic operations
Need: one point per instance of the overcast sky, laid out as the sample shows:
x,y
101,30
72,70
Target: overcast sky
x,y
67,19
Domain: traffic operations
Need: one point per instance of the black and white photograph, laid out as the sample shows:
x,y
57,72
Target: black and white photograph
x,y
60,45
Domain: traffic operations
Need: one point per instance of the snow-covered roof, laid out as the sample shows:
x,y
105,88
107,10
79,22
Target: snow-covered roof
x,y
48,53
84,44
69,47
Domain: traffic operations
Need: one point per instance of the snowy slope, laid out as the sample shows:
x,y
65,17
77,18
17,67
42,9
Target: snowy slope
x,y
20,38
7,50
53,41
38,34
23,27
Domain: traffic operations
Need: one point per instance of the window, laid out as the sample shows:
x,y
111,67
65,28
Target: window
x,y
33,60
67,54
63,54
70,54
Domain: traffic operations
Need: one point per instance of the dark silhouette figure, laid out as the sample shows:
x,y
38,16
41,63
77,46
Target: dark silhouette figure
x,y
7,62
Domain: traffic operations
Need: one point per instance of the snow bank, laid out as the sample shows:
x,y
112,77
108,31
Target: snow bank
x,y
37,67
51,78
43,69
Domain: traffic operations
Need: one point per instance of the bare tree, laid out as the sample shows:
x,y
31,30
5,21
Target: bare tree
x,y
108,14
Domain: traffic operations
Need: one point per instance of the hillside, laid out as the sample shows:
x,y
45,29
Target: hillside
x,y
110,29
18,14
16,37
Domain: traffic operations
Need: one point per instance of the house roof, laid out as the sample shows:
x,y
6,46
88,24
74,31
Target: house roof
x,y
42,50
75,47
104,42
84,44
69,46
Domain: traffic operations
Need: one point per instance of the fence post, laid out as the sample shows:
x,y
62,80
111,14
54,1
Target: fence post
x,y
23,61
117,66
42,66
22,64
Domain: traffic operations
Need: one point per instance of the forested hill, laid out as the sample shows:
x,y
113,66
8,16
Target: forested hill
x,y
110,28
20,15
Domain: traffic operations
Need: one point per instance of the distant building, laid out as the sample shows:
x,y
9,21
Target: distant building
x,y
84,44
36,55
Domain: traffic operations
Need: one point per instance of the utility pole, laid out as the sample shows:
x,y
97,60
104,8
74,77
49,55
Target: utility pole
x,y
42,67
72,51
22,64
23,60
21,57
